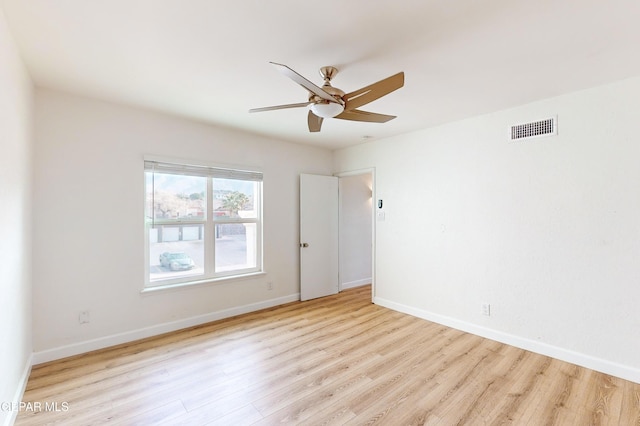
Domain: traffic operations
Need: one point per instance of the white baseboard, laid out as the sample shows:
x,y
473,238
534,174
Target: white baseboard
x,y
130,336
356,283
17,397
598,364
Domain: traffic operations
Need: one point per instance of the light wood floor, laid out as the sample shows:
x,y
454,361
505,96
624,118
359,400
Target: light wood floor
x,y
335,360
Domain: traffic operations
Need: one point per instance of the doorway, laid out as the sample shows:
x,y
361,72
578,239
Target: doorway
x,y
356,229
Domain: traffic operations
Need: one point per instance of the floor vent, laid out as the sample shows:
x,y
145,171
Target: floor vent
x,y
547,127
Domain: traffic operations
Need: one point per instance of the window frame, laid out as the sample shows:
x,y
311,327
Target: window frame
x,y
209,223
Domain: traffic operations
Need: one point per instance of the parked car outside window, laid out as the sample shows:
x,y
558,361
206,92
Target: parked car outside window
x,y
176,261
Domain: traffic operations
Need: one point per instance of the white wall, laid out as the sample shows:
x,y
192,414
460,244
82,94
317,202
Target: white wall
x,y
88,227
547,231
355,230
15,222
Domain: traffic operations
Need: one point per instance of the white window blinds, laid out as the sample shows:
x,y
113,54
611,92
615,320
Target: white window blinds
x,y
197,170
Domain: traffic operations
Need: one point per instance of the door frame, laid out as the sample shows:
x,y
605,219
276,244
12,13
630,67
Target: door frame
x,y
372,171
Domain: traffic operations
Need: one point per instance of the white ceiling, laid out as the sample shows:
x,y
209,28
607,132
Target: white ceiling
x,y
208,59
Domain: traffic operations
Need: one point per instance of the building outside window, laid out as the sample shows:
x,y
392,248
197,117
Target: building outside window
x,y
202,223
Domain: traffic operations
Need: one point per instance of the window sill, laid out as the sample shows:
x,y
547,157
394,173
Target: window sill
x,y
212,281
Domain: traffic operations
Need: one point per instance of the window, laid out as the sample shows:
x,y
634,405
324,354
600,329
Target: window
x,y
201,223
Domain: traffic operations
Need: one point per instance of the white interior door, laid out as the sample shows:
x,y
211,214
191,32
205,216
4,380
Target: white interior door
x,y
318,236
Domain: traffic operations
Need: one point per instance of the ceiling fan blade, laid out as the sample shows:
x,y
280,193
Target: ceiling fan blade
x,y
359,115
272,108
316,90
314,122
373,91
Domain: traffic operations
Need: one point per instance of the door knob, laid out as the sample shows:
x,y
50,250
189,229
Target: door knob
x,y
304,245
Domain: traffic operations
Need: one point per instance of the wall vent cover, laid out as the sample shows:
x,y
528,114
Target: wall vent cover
x,y
535,129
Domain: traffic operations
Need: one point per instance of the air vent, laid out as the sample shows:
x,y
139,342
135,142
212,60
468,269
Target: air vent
x,y
535,129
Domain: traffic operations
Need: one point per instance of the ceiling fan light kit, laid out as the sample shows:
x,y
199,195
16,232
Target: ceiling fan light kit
x,y
326,109
330,102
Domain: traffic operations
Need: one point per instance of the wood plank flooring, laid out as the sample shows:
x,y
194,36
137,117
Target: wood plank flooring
x,y
330,361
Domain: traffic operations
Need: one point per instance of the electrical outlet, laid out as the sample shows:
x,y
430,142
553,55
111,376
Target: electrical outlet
x,y
486,309
83,318
269,285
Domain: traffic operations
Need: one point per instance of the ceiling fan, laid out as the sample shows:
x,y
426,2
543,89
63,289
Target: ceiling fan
x,y
330,102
